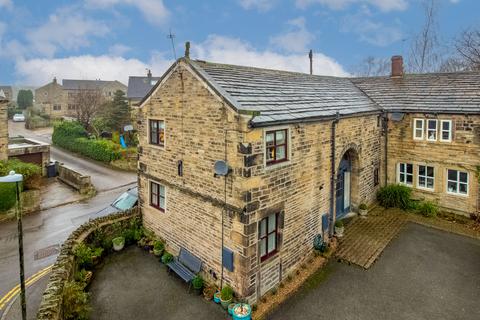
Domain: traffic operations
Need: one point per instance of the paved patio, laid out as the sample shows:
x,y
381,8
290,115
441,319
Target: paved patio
x,y
133,284
423,274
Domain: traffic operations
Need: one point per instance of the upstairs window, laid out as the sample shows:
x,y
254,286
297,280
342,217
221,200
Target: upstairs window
x,y
405,173
157,196
418,129
57,107
457,182
268,236
157,132
446,130
432,130
276,146
426,177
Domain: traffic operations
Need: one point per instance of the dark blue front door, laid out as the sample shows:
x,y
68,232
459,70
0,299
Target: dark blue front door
x,y
342,195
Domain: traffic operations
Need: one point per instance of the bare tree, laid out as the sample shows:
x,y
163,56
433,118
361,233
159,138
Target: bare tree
x,y
372,66
424,50
87,104
468,48
453,64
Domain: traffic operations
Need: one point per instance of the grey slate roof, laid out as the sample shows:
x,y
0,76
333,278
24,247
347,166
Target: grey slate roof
x,y
435,92
138,87
69,84
281,96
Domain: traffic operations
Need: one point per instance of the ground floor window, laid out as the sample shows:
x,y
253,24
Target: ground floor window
x,y
426,177
457,182
268,236
405,173
157,196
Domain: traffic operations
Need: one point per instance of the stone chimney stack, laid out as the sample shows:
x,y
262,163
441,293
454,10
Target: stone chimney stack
x,y
187,49
54,80
397,66
149,73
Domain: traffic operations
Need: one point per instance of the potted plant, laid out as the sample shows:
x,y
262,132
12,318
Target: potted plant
x,y
118,243
208,292
158,248
339,228
242,311
226,296
362,209
216,297
167,258
230,308
197,283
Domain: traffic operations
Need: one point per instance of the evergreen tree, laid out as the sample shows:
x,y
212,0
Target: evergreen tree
x,y
25,99
119,111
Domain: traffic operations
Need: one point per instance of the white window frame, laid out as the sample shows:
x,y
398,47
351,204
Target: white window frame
x,y
415,128
458,193
431,130
405,173
449,130
426,177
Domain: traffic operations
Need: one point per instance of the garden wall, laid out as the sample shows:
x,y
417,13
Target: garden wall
x,y
63,270
75,179
30,200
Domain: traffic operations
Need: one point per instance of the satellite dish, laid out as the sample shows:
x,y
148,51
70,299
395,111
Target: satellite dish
x,y
220,168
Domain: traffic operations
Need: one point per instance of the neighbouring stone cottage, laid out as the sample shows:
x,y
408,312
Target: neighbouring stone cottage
x,y
303,150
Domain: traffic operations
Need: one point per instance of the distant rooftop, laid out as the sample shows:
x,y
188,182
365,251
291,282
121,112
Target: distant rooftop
x,y
138,87
69,84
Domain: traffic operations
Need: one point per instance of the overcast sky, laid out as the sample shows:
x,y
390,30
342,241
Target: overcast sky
x,y
112,39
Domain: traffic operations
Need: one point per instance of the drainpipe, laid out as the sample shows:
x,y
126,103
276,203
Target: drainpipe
x,y
332,176
385,132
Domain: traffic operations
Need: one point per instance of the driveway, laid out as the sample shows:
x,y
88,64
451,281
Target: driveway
x,y
134,285
422,274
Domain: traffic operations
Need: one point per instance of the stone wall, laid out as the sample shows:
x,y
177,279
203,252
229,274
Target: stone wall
x,y
76,180
3,131
460,154
30,202
64,267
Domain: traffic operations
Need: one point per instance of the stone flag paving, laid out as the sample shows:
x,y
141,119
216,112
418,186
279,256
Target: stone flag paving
x,y
365,238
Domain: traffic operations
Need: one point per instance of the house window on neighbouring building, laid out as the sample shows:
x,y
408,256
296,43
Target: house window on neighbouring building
x,y
457,182
57,107
157,196
432,130
446,130
268,236
276,146
405,173
418,129
157,132
426,177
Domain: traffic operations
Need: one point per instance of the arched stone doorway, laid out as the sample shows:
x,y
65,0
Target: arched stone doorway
x,y
346,188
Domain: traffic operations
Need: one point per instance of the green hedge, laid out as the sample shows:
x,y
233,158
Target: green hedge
x,y
72,136
7,196
395,196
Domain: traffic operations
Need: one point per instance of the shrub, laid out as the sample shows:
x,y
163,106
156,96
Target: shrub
x,y
32,173
72,136
167,258
7,196
427,208
81,276
226,293
197,282
85,254
118,241
362,206
339,223
395,196
75,301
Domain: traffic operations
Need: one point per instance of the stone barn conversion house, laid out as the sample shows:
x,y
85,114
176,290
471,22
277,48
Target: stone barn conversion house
x,y
303,151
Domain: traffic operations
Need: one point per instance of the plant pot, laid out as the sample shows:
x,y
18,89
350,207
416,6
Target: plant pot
x,y
339,231
216,297
157,252
197,291
208,293
362,212
118,243
242,311
225,303
230,308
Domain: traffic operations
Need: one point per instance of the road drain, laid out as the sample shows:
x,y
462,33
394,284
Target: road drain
x,y
46,252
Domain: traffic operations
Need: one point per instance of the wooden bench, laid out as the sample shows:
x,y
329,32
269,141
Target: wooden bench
x,y
186,266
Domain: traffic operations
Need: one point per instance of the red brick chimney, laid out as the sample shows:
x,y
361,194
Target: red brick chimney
x,y
397,66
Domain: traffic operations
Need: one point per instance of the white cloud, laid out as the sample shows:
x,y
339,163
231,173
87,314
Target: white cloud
x,y
384,5
118,49
68,29
154,11
260,5
370,31
42,70
296,39
235,51
6,4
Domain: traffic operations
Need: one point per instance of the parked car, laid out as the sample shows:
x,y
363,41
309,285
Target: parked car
x,y
18,117
126,201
